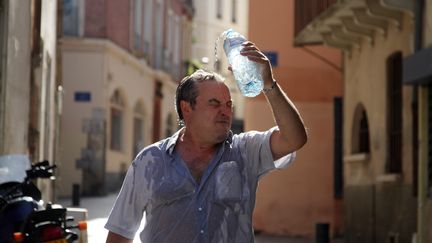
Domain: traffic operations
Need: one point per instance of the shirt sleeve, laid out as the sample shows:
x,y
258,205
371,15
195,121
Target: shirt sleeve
x,y
255,147
127,212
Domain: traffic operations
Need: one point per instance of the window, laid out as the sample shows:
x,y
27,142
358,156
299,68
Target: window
x,y
70,17
137,24
338,147
234,11
170,42
159,34
394,113
157,108
364,134
116,118
219,9
177,47
360,135
148,25
138,129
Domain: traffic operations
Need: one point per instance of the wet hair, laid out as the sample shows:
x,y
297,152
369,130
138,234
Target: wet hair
x,y
187,89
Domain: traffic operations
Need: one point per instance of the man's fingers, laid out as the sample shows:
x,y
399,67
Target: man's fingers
x,y
250,48
248,43
259,59
251,53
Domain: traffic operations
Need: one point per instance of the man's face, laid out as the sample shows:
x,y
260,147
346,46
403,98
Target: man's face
x,y
211,116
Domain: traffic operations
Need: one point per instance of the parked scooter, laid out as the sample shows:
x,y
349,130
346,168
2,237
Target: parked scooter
x,y
23,217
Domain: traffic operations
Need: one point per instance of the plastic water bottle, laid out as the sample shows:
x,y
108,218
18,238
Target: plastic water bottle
x,y
246,72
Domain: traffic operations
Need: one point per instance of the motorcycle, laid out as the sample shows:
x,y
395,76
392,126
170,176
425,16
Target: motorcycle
x,y
23,217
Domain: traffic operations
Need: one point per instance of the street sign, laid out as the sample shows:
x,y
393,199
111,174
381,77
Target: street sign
x,y
273,57
81,96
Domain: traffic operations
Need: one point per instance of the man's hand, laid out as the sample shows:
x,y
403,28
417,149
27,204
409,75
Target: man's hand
x,y
251,51
291,135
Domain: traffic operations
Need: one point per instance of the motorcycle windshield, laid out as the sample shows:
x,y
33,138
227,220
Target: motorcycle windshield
x,y
13,167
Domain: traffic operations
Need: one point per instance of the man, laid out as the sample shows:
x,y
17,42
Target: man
x,y
199,185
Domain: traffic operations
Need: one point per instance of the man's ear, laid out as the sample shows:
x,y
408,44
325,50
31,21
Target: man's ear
x,y
185,108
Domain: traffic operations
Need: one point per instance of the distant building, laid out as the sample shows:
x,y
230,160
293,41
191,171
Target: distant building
x,y
121,62
417,73
380,131
309,192
212,18
30,91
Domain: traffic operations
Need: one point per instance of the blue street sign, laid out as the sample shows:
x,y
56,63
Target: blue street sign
x,y
82,96
273,57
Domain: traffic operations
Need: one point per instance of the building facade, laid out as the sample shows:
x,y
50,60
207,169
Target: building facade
x,y
418,75
379,137
121,61
309,192
30,91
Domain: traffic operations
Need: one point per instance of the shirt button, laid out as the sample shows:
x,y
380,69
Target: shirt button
x,y
202,231
200,209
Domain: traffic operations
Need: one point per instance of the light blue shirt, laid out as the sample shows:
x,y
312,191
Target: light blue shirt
x,y
178,209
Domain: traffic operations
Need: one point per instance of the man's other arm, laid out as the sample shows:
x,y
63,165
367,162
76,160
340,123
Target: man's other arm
x,y
116,238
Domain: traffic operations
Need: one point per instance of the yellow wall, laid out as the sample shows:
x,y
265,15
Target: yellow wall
x,y
81,72
100,67
291,201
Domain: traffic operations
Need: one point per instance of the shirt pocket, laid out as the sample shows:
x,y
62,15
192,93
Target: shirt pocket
x,y
228,186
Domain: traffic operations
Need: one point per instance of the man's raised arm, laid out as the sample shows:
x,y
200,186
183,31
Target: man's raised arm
x,y
292,132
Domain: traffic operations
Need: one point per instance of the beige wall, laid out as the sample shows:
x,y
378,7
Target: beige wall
x,y
292,201
82,71
366,84
137,83
100,67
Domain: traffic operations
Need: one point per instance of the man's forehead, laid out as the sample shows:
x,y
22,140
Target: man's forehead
x,y
213,90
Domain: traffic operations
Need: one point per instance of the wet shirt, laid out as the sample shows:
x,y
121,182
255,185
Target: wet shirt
x,y
178,209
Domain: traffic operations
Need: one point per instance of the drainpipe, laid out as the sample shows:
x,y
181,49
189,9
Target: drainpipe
x,y
420,101
422,165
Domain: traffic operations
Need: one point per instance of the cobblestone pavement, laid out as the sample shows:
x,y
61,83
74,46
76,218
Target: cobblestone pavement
x,y
99,207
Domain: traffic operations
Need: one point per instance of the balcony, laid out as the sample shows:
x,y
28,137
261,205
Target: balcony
x,y
344,24
307,10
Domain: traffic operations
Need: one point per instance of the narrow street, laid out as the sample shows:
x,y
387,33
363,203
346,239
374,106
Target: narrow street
x,y
99,207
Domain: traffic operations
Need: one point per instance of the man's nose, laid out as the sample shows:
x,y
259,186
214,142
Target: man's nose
x,y
226,110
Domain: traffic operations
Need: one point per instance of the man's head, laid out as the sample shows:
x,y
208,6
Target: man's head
x,y
203,103
187,89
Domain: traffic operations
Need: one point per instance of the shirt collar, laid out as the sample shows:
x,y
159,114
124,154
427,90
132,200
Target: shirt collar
x,y
173,140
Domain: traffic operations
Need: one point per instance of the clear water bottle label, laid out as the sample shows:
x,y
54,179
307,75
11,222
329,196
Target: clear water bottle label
x,y
235,41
